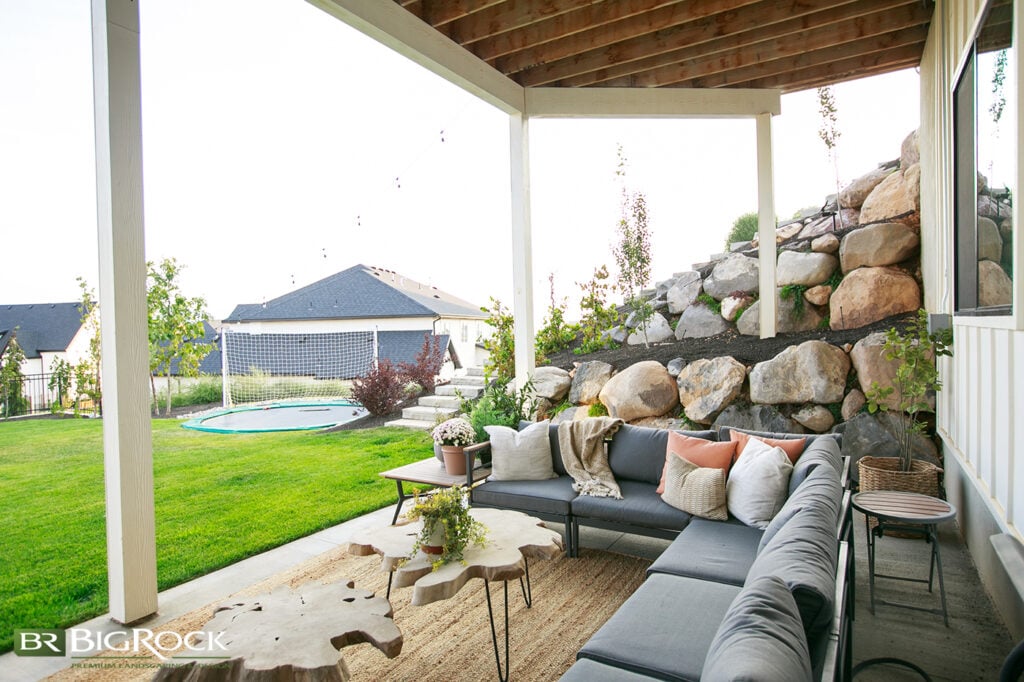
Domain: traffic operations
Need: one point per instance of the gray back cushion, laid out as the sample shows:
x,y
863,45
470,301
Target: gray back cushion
x,y
637,453
821,487
820,451
804,553
760,638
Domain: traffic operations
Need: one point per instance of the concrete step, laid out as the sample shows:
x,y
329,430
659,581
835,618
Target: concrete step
x,y
473,372
411,424
427,414
467,391
448,401
470,380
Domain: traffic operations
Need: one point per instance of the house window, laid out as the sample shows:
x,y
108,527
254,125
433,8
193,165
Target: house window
x,y
465,332
984,156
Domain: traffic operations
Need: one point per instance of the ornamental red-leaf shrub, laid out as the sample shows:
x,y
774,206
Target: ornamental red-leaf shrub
x,y
428,364
381,389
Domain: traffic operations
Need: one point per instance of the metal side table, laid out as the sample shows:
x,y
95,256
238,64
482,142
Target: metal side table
x,y
905,512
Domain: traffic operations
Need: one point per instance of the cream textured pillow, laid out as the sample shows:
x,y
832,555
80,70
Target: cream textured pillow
x,y
520,455
758,483
696,490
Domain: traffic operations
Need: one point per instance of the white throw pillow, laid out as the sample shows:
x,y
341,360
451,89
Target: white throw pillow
x,y
758,483
520,455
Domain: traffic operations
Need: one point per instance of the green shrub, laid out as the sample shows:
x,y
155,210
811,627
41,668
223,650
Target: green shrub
x,y
501,345
208,389
597,410
795,292
743,229
708,300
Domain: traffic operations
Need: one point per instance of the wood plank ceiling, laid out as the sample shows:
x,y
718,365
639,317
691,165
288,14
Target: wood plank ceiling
x,y
786,44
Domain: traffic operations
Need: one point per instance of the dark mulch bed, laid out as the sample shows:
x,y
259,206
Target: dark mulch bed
x,y
746,349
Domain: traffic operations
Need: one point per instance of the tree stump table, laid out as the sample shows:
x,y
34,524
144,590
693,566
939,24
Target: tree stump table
x,y
512,538
293,634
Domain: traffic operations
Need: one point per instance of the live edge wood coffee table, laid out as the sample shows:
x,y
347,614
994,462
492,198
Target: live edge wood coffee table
x,y
512,539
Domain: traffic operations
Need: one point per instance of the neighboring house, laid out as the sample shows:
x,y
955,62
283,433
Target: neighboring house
x,y
368,299
45,331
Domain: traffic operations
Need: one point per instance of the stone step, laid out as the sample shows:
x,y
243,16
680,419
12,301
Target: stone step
x,y
411,424
470,380
473,372
427,414
449,401
467,391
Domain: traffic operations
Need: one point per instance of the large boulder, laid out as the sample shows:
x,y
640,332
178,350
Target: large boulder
x,y
990,208
551,383
735,273
813,372
807,269
644,389
879,244
788,319
990,242
896,198
656,330
757,418
852,404
867,295
909,151
816,418
706,387
699,321
826,224
854,194
826,243
818,295
587,382
875,435
868,358
683,293
994,285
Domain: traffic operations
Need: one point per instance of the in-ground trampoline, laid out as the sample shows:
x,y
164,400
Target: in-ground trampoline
x,y
286,416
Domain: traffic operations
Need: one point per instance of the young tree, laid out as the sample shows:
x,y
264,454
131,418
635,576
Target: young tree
x,y
829,134
87,370
556,334
597,315
501,344
175,325
632,250
12,381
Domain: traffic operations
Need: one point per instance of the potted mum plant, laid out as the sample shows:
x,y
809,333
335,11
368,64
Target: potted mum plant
x,y
453,435
448,527
915,381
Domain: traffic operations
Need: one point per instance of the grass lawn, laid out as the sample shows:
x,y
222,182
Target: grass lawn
x,y
219,499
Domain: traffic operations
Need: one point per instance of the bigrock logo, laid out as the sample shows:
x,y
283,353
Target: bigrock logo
x,y
40,642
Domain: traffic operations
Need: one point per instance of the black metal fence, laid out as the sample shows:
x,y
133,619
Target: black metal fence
x,y
31,395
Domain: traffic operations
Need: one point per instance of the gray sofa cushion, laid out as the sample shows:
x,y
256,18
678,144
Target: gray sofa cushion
x,y
721,551
637,453
804,554
640,506
821,451
723,434
664,629
761,637
587,670
550,496
821,487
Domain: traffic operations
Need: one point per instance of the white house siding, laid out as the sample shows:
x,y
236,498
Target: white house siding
x,y
982,401
465,332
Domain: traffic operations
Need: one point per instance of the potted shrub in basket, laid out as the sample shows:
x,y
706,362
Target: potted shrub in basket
x,y
916,379
448,527
453,435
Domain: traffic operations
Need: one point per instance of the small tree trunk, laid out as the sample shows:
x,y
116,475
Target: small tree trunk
x,y
168,377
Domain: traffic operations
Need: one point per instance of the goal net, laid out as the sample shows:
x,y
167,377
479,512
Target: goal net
x,y
271,367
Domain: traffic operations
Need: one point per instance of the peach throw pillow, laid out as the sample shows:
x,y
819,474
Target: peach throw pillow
x,y
793,447
703,453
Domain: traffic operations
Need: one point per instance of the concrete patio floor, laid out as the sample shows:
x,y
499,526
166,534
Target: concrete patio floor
x,y
971,648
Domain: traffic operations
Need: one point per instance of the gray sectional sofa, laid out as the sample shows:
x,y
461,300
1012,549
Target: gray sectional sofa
x,y
724,600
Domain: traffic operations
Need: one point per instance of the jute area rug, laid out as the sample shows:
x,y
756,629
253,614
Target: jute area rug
x,y
450,641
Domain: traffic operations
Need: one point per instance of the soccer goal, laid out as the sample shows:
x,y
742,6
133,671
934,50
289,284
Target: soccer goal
x,y
273,367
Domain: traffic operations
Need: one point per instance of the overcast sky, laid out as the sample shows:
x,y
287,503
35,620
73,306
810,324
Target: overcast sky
x,y
281,146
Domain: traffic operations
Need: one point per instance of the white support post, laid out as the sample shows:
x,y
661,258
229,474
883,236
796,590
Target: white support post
x,y
766,226
127,441
522,247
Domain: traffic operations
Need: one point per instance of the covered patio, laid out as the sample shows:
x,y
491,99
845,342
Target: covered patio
x,y
651,58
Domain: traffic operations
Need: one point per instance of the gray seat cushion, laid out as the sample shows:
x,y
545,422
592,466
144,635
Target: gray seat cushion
x,y
761,637
587,670
804,553
664,629
711,550
640,506
550,496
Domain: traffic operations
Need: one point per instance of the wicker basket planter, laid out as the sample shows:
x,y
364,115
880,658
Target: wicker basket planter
x,y
883,473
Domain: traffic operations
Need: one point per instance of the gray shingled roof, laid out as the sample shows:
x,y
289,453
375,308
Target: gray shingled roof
x,y
358,292
41,327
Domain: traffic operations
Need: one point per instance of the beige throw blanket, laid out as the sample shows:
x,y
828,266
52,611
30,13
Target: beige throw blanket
x,y
585,455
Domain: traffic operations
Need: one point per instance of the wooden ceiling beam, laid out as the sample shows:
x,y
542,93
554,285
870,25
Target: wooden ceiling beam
x,y
508,16
629,35
415,7
770,30
886,61
441,12
560,27
878,27
865,49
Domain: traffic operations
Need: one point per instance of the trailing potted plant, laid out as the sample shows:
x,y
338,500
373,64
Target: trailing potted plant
x,y
453,435
916,379
448,527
